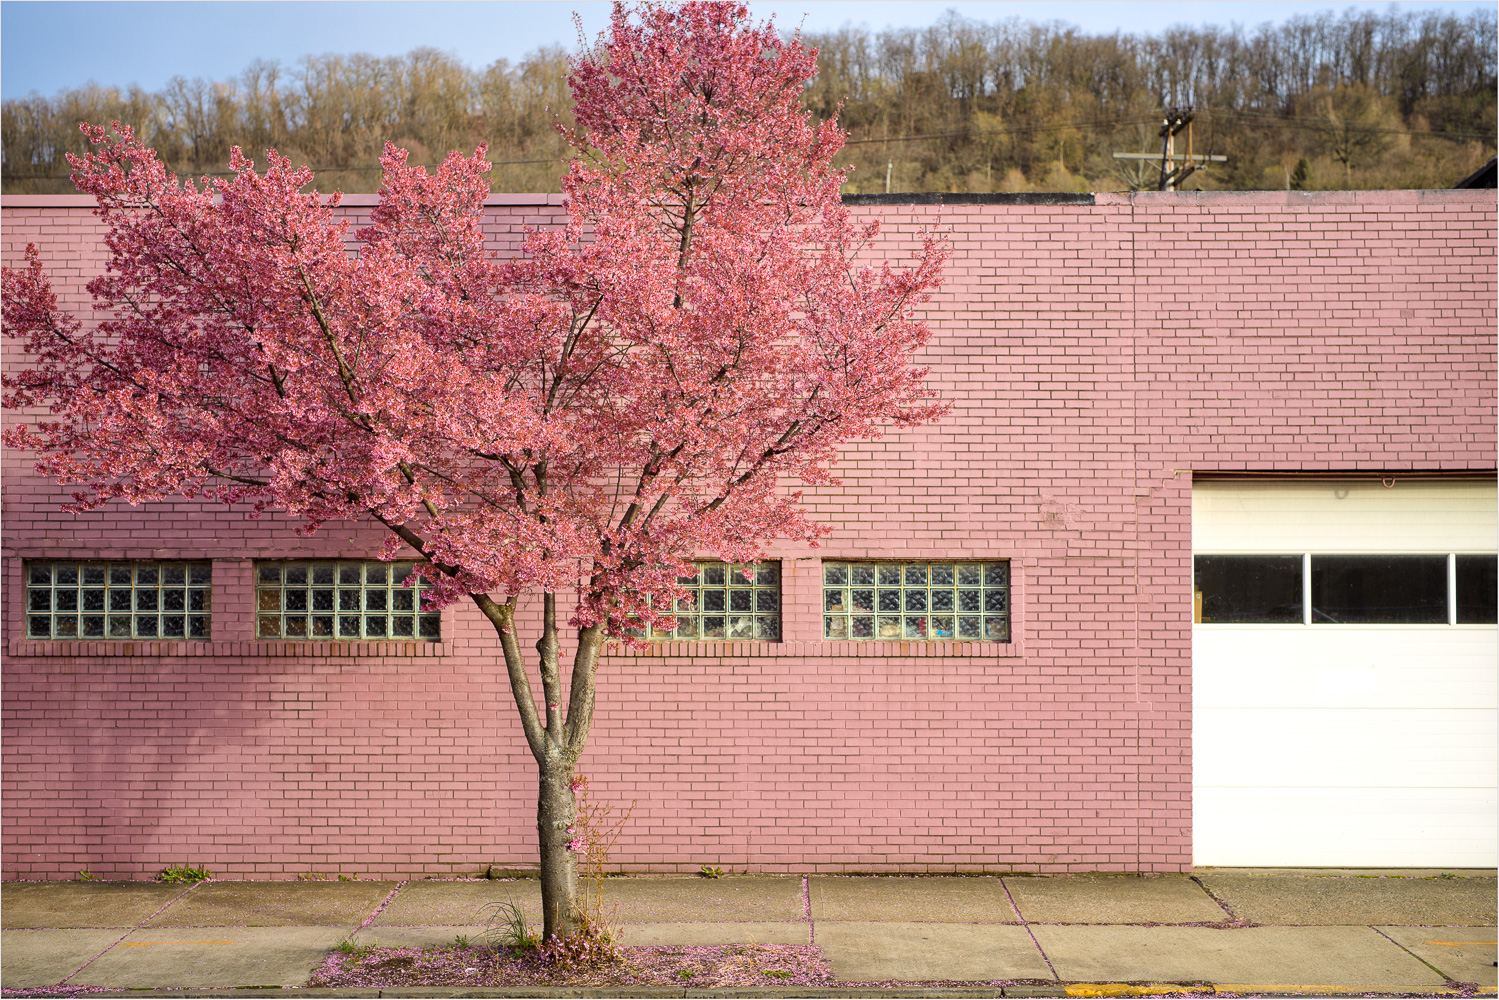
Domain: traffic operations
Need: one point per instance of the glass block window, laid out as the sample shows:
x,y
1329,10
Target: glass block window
x,y
726,603
118,600
916,600
342,600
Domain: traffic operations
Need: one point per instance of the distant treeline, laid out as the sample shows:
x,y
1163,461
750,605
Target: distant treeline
x,y
1360,100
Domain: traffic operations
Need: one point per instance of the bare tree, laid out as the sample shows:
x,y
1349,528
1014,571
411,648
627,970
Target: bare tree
x,y
1353,125
1052,100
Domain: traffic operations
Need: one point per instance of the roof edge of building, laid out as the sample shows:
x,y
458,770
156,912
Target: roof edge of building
x,y
939,198
1399,196
518,200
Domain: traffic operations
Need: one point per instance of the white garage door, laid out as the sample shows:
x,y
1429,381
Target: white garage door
x,y
1344,673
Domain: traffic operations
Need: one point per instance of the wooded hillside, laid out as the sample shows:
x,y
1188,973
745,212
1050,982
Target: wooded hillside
x,y
1357,100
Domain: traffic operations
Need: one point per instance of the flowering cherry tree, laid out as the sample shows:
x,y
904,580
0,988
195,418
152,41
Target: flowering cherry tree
x,y
575,422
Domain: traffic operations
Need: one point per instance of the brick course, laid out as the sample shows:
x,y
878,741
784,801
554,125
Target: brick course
x,y
1097,356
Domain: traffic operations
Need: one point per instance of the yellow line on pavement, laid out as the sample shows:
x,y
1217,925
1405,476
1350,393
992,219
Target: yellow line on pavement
x,y
143,944
1459,944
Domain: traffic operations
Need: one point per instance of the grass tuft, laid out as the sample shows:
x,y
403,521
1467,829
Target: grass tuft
x,y
184,873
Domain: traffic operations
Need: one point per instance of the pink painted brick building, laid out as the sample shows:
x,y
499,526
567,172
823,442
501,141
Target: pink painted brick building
x,y
1102,353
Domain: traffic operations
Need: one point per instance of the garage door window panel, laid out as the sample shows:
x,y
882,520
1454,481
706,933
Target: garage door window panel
x,y
1476,589
1379,590
1364,589
1249,589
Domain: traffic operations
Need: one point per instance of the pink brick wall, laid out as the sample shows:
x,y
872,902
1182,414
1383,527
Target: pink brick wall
x,y
1097,356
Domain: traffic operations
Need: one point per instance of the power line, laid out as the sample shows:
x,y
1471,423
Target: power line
x,y
1320,124
1151,118
1013,130
969,134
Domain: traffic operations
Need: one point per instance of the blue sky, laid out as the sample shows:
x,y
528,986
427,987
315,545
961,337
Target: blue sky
x,y
47,45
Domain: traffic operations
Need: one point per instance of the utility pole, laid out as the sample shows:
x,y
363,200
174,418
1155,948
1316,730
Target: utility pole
x,y
889,169
1171,174
1174,123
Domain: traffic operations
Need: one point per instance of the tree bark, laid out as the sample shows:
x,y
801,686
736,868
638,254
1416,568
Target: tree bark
x,y
556,816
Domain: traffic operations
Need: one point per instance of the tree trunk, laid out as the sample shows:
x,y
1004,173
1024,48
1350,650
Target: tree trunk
x,y
556,742
556,816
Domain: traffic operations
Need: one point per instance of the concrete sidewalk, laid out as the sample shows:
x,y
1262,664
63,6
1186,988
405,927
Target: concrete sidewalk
x,y
1224,931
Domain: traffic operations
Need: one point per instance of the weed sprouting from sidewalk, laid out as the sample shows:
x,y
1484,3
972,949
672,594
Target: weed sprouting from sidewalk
x,y
505,928
349,948
325,877
596,829
184,873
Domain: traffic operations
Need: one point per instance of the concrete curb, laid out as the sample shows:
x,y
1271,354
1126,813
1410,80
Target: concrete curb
x,y
1061,990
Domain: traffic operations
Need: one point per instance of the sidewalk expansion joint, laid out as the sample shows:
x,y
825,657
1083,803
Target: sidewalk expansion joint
x,y
1222,905
379,909
1412,954
807,910
1029,933
144,920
